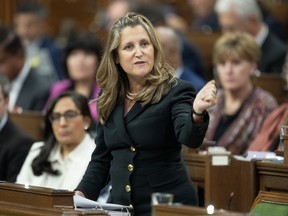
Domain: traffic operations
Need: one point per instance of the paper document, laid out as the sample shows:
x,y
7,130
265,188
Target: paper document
x,y
82,202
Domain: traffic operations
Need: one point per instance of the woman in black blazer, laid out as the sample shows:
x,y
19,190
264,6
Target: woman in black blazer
x,y
145,115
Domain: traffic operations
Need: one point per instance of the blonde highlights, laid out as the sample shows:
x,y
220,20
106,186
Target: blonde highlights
x,y
113,80
237,45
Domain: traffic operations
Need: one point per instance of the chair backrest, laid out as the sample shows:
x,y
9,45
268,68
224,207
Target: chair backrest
x,y
270,204
30,122
273,83
204,44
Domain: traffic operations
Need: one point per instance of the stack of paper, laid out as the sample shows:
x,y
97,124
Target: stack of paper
x,y
112,209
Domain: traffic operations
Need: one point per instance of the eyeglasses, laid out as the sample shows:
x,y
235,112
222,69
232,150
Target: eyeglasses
x,y
68,116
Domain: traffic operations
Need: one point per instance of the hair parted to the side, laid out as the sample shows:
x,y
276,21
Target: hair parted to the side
x,y
113,80
240,45
41,162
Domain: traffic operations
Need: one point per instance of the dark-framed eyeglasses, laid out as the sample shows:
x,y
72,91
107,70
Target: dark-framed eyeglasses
x,y
68,116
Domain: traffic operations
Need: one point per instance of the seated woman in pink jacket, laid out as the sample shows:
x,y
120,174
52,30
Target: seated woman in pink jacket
x,y
81,59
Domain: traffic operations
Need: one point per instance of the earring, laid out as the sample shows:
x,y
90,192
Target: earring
x,y
85,127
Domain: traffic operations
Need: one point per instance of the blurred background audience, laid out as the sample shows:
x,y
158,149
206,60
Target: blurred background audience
x,y
172,49
60,160
14,143
241,107
42,51
81,59
204,17
29,89
245,15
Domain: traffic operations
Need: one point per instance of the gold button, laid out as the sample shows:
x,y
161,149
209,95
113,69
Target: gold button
x,y
128,188
132,149
130,167
130,207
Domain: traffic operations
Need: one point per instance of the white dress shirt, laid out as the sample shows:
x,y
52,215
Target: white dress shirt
x,y
262,35
16,86
72,167
3,121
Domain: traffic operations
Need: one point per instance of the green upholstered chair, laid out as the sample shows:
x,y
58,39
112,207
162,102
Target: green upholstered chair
x,y
270,204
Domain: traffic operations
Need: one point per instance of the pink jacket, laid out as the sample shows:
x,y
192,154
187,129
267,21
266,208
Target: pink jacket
x,y
67,84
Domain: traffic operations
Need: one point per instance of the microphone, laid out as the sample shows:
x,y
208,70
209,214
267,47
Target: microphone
x,y
229,201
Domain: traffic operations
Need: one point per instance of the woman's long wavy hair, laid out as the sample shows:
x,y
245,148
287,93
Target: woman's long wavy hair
x,y
41,163
113,80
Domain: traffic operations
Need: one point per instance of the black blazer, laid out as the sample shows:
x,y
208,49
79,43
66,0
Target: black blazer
x,y
142,151
273,53
34,92
14,147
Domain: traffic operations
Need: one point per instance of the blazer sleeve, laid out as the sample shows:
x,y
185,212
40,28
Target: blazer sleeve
x,y
187,132
97,172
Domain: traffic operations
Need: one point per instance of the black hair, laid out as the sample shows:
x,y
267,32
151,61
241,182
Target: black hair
x,y
10,41
32,7
86,41
40,163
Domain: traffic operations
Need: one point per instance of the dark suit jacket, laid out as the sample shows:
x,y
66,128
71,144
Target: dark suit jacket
x,y
14,147
193,78
34,92
144,150
273,53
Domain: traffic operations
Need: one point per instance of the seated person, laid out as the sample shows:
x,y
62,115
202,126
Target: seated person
x,y
245,15
172,49
204,17
268,138
190,55
30,24
14,143
241,107
81,60
61,159
29,90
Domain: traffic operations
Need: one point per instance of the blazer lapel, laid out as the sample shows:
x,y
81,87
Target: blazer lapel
x,y
119,122
134,112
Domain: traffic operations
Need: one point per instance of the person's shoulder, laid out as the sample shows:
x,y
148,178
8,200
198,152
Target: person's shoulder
x,y
275,43
17,133
36,147
36,78
182,84
181,88
61,85
264,95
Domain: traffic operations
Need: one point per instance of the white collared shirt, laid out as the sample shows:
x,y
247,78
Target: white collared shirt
x,y
72,168
262,35
3,121
16,86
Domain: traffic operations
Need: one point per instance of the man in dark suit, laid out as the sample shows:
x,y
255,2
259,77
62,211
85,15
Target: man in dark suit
x,y
29,90
30,25
14,143
171,45
245,15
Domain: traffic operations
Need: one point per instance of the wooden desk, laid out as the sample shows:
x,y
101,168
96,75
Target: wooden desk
x,y
196,165
272,176
16,200
244,178
218,182
174,210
